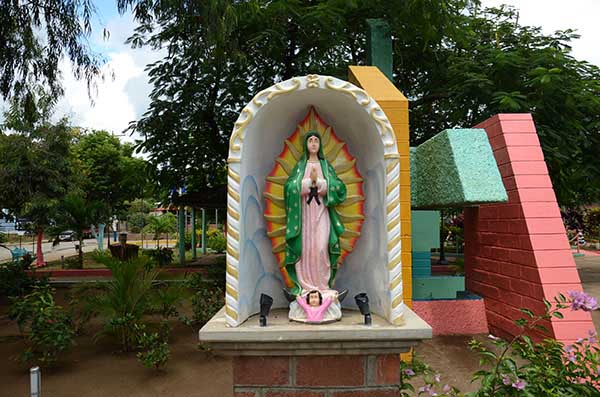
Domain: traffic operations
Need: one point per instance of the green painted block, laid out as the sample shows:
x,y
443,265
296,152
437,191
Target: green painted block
x,y
425,230
379,46
456,168
437,287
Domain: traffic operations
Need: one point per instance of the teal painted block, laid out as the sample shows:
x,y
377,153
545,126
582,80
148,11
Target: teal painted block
x,y
421,262
425,230
437,287
419,273
421,255
455,168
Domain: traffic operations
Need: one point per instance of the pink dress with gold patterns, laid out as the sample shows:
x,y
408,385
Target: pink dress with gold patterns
x,y
313,268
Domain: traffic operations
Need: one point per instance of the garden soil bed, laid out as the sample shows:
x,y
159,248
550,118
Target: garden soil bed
x,y
96,369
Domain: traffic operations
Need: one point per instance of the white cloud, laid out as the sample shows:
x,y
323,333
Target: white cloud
x,y
113,108
553,15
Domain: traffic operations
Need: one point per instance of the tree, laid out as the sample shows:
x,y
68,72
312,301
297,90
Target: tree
x,y
165,223
456,62
35,172
36,36
498,66
138,213
77,213
109,172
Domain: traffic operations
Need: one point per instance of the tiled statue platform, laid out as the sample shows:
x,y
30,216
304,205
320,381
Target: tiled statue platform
x,y
345,358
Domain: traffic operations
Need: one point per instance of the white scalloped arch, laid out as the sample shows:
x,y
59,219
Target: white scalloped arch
x,y
375,265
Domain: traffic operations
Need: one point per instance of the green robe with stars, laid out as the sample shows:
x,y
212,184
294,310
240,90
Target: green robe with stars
x,y
336,194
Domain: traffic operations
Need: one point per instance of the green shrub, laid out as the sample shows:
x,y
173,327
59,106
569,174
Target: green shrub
x,y
3,238
217,271
167,299
522,367
155,348
14,279
217,241
47,328
592,223
207,300
135,229
161,256
124,299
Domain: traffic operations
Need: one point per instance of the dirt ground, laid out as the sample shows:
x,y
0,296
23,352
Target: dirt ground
x,y
97,369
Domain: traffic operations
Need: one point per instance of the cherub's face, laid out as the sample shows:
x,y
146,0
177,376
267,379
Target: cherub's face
x,y
313,144
313,299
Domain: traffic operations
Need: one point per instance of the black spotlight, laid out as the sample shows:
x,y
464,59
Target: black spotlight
x,y
362,301
265,305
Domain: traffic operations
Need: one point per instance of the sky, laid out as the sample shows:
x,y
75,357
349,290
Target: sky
x,y
125,98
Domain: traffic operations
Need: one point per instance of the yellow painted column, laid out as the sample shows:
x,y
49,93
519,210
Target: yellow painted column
x,y
395,106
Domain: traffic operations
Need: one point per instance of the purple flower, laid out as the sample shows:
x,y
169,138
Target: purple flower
x,y
591,332
572,358
592,340
409,372
506,380
580,340
446,388
598,370
426,388
569,348
437,378
582,301
519,384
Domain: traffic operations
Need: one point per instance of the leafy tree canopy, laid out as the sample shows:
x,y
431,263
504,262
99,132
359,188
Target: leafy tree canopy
x,y
457,63
34,162
36,36
108,171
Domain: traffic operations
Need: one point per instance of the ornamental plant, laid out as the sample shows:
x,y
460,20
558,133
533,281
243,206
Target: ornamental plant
x,y
46,327
125,299
154,346
207,299
522,367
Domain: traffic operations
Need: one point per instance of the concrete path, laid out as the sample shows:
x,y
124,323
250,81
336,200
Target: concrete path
x,y
589,272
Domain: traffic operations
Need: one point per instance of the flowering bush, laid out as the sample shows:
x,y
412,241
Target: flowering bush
x,y
520,367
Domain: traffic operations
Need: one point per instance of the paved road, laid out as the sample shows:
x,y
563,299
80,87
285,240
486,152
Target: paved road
x,y
67,248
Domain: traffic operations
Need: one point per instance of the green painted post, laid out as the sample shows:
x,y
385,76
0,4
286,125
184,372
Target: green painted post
x,y
203,231
181,224
193,232
379,46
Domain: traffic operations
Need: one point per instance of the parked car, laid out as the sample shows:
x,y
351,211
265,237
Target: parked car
x,y
67,235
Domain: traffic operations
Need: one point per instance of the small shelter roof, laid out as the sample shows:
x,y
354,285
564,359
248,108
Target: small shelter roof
x,y
208,197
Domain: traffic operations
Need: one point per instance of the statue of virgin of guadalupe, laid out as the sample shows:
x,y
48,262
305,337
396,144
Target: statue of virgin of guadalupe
x,y
313,227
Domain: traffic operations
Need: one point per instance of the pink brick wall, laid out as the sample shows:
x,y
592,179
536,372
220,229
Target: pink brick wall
x,y
453,317
517,253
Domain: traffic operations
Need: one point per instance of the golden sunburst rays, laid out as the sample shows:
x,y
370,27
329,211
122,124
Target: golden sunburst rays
x,y
351,211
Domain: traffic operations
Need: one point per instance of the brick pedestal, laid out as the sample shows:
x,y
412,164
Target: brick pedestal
x,y
318,376
340,359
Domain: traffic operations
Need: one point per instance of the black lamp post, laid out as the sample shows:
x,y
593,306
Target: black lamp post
x,y
265,306
362,301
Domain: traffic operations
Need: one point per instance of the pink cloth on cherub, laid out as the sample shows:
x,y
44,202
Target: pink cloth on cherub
x,y
314,314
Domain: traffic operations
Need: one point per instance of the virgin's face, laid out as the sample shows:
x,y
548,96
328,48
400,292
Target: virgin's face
x,y
313,144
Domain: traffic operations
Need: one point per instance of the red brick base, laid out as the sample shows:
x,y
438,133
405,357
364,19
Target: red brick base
x,y
317,376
